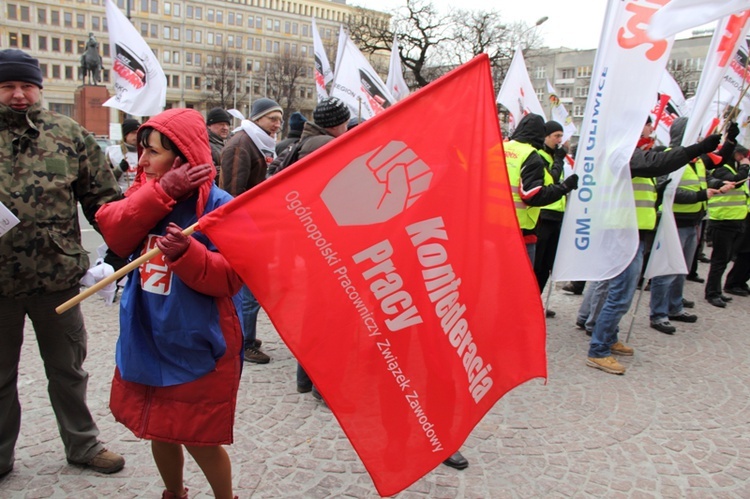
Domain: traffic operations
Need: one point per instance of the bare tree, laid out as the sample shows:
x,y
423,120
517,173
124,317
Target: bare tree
x,y
286,73
685,76
222,75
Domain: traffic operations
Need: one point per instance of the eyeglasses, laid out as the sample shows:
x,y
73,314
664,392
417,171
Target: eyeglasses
x,y
274,119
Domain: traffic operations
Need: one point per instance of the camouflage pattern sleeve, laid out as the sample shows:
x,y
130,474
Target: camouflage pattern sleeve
x,y
96,184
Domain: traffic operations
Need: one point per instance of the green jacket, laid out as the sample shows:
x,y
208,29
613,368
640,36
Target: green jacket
x,y
48,164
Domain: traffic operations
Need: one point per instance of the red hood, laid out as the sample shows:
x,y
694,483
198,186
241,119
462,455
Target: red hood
x,y
187,129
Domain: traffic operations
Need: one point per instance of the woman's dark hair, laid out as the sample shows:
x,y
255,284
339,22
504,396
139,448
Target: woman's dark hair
x,y
166,143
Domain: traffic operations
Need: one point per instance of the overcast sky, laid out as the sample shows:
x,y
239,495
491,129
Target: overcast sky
x,y
574,24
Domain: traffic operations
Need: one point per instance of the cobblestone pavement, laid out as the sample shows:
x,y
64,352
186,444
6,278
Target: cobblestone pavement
x,y
676,425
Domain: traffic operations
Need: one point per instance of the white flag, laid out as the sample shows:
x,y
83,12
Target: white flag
x,y
599,235
323,72
664,259
680,15
395,81
357,84
140,84
560,114
670,103
517,94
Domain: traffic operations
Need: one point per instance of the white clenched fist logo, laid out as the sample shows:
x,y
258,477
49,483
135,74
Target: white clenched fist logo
x,y
377,186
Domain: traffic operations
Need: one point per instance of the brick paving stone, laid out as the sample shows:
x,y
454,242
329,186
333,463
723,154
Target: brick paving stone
x,y
674,425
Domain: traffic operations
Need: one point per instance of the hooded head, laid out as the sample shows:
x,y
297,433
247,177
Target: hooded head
x,y
677,131
530,130
186,129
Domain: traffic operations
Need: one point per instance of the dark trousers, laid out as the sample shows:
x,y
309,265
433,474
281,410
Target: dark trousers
x,y
725,243
547,236
62,345
740,273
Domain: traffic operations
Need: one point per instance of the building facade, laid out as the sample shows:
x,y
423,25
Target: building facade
x,y
569,71
246,39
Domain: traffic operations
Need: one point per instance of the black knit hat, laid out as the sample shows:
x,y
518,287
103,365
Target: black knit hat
x,y
331,112
262,107
129,125
297,121
551,127
17,65
218,115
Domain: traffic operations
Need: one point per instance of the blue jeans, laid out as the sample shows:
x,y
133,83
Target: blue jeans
x,y
620,296
666,290
531,251
593,301
250,309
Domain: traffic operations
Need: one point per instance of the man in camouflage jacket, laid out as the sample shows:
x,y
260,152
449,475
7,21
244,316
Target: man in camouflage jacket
x,y
48,164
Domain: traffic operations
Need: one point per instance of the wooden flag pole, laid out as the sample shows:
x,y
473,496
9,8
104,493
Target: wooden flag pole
x,y
116,276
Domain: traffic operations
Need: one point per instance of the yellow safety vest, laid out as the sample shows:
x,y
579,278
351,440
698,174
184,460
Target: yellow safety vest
x,y
693,179
516,154
558,205
731,205
644,193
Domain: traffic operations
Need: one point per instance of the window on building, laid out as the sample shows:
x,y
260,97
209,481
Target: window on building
x,y
249,66
54,16
144,5
12,12
189,11
258,22
256,66
209,60
582,92
287,27
219,39
167,33
294,49
80,21
56,71
25,13
96,23
154,31
539,93
567,73
154,6
43,67
41,16
166,56
276,47
188,82
199,13
303,50
258,43
287,48
239,19
238,41
176,34
230,18
68,46
188,58
144,30
188,35
220,17
305,30
540,72
197,82
13,40
26,41
198,36
68,72
176,10
80,46
42,42
167,9
197,60
105,48
55,44
269,24
565,92
269,46
68,19
175,81
230,41
583,72
578,111
210,15
295,28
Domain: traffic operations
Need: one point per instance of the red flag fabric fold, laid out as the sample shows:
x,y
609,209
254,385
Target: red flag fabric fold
x,y
392,265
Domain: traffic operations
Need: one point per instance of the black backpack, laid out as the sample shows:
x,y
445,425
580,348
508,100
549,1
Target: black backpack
x,y
286,158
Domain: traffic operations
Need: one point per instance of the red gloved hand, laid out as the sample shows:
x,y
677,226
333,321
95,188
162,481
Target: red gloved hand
x,y
174,243
181,180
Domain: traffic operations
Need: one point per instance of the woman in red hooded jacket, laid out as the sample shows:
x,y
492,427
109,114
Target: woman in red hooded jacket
x,y
179,354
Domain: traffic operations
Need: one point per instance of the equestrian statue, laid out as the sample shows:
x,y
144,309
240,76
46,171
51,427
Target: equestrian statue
x,y
91,62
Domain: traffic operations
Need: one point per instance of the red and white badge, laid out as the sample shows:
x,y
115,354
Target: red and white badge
x,y
156,277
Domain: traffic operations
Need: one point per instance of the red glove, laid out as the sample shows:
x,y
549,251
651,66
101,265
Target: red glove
x,y
181,180
174,243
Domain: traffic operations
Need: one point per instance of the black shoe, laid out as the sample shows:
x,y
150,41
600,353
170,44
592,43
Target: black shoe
x,y
255,356
570,288
7,471
304,388
726,298
457,461
717,302
549,313
704,259
664,327
688,303
580,324
317,396
736,291
695,278
257,343
683,317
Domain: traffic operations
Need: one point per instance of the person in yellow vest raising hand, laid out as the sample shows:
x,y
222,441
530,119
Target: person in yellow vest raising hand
x,y
530,183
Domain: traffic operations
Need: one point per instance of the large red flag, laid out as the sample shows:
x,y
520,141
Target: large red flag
x,y
391,263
